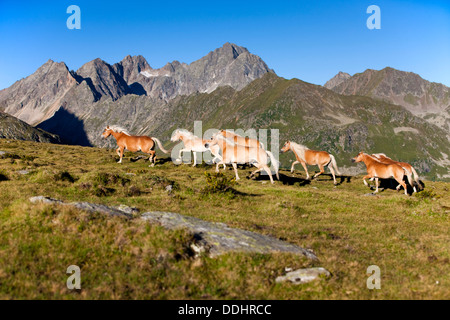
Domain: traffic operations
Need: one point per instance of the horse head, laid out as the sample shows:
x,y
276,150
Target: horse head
x,y
286,147
359,157
107,132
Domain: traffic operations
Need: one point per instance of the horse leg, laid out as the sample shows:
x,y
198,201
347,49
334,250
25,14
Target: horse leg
x,y
118,151
293,164
180,154
122,149
267,169
195,158
333,174
306,170
218,164
235,170
152,157
320,172
364,180
376,185
401,182
255,172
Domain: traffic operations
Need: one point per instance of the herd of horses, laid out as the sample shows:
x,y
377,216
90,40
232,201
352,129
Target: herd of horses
x,y
228,147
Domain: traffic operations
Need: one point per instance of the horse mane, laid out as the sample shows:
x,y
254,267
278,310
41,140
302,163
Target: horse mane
x,y
228,141
371,157
184,132
118,129
299,150
376,155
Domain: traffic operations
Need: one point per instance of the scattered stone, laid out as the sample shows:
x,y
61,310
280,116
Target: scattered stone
x,y
306,275
45,200
2,153
130,174
23,172
370,194
169,188
129,210
86,206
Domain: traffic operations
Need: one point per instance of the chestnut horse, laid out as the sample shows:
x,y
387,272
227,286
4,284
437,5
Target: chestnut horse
x,y
234,153
133,143
194,144
240,140
408,169
376,169
311,157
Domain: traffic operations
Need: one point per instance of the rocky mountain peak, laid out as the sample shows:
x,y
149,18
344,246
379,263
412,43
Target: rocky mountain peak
x,y
103,79
337,79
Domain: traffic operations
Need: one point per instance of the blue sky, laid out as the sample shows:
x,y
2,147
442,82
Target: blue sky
x,y
310,40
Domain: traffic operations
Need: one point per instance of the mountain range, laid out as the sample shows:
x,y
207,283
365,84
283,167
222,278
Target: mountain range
x,y
428,100
233,88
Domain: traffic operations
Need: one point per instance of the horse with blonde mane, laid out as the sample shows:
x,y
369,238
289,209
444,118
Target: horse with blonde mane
x,y
409,170
240,140
133,143
306,156
377,170
233,154
194,144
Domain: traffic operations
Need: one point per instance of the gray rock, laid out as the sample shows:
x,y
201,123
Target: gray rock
x,y
301,276
23,172
127,209
210,238
45,200
217,238
2,153
86,206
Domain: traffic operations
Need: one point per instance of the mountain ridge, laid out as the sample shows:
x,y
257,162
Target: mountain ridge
x,y
429,100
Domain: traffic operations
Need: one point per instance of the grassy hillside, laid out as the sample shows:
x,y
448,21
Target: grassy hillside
x,y
407,237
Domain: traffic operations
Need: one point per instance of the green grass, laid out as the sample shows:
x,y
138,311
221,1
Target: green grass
x,y
407,237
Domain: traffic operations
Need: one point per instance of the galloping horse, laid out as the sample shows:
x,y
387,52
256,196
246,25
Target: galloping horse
x,y
194,144
376,169
240,140
311,157
234,153
133,143
408,169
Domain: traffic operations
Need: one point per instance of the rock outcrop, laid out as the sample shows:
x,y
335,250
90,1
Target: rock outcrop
x,y
210,238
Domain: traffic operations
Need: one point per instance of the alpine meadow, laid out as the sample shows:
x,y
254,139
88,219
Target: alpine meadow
x,y
222,178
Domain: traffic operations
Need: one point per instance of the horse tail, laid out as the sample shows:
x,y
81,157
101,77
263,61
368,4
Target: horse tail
x,y
160,145
275,163
416,177
409,176
333,162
